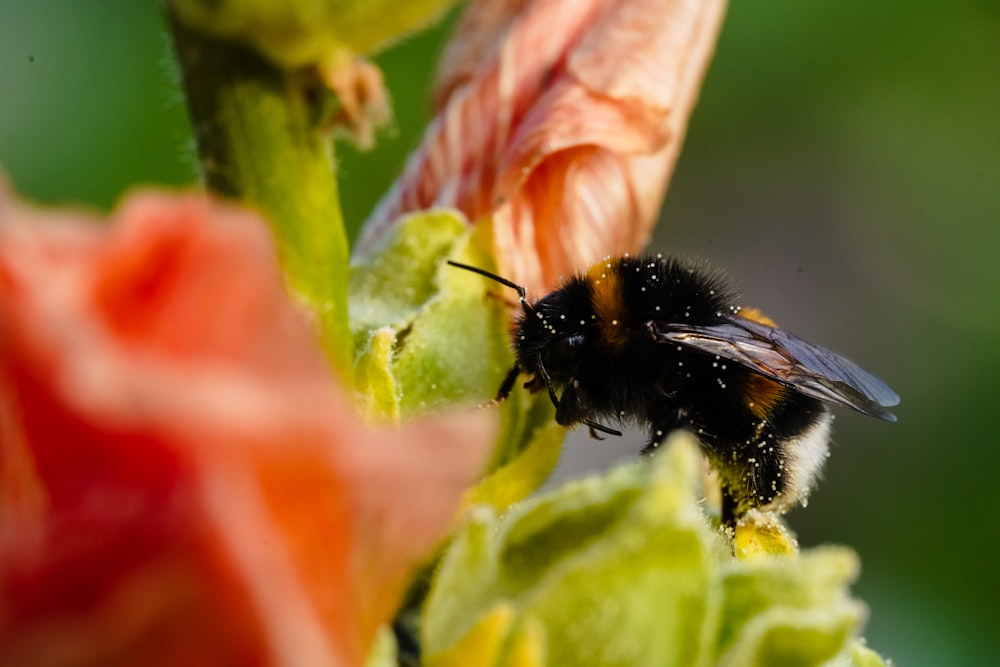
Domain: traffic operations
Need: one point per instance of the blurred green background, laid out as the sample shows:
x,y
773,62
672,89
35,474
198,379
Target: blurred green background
x,y
844,165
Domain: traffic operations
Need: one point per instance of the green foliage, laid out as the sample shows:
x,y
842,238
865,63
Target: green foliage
x,y
423,338
625,569
428,336
297,33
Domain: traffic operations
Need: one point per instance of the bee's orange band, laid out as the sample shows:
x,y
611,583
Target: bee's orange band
x,y
606,296
762,394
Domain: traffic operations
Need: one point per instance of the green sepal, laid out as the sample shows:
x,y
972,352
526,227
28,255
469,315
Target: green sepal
x,y
626,569
860,655
788,610
374,380
426,336
429,336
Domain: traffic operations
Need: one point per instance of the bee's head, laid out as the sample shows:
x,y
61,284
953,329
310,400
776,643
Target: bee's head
x,y
551,333
550,338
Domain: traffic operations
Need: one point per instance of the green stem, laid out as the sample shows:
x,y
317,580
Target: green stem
x,y
259,143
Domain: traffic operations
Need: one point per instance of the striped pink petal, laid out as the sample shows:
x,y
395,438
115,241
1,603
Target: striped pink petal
x,y
560,120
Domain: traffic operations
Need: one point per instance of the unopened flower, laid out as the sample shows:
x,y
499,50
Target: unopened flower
x,y
181,480
560,120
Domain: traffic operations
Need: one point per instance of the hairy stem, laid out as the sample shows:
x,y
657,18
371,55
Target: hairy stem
x,y
259,142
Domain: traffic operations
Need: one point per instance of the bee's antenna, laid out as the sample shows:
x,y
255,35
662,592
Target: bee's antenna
x,y
521,292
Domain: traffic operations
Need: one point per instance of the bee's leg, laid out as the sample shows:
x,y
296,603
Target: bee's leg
x,y
595,427
728,512
508,383
505,387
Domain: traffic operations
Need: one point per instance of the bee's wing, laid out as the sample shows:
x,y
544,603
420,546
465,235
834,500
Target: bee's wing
x,y
812,370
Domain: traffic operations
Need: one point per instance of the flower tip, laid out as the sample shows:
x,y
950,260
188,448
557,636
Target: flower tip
x,y
361,94
760,534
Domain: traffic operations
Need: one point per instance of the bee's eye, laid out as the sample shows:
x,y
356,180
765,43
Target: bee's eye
x,y
561,354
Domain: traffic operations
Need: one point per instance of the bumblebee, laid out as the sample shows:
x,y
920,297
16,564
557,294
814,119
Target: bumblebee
x,y
660,343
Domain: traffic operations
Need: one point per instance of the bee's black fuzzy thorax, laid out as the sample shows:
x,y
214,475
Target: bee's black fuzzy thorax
x,y
611,304
595,329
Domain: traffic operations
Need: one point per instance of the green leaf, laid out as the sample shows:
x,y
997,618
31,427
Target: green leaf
x,y
519,478
466,588
626,569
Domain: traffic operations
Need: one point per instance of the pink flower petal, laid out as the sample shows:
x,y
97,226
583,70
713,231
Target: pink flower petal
x,y
182,480
561,120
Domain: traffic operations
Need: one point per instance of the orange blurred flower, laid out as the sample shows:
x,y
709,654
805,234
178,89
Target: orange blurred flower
x,y
181,481
562,120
